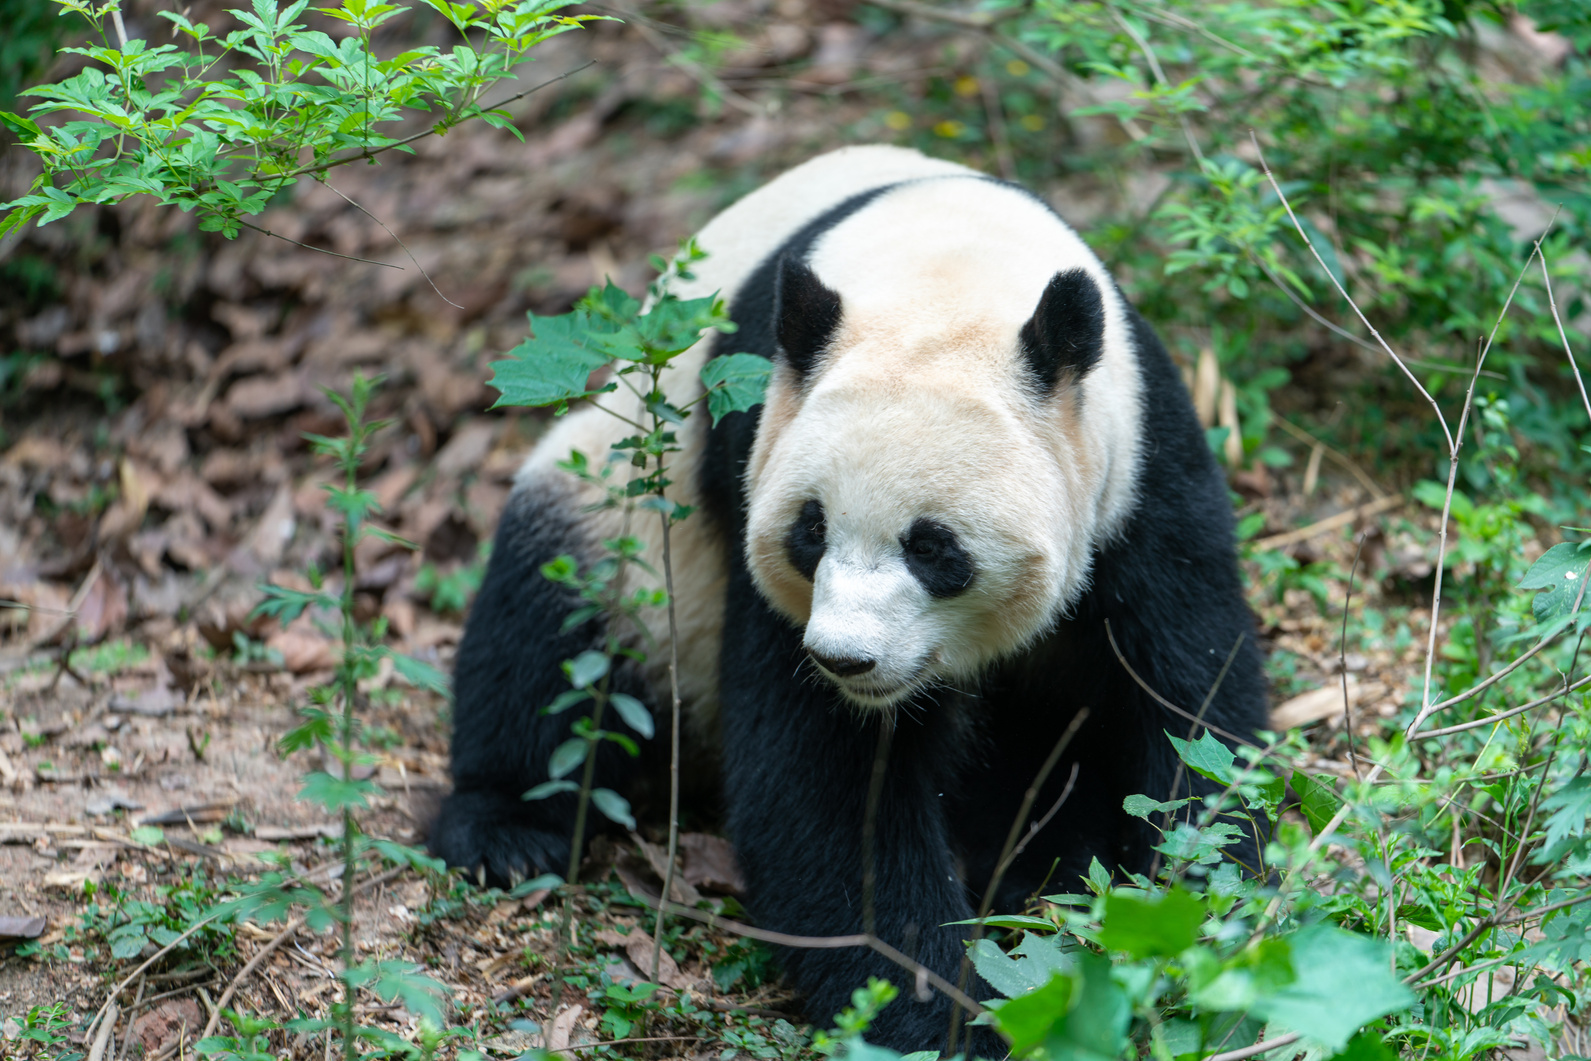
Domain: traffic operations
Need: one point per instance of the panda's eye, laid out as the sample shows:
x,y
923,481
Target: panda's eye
x,y
937,559
806,540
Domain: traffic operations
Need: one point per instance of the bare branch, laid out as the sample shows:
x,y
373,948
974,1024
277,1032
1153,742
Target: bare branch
x,y
400,242
318,250
1481,723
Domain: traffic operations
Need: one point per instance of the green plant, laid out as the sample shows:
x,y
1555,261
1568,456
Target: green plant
x,y
453,591
611,330
331,723
44,1033
221,130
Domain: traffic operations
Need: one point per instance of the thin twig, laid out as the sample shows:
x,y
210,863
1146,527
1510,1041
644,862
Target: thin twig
x,y
1329,524
1481,723
270,947
875,791
1563,337
860,939
1011,850
395,237
1280,195
1258,1048
1342,663
318,250
1167,704
1347,462
674,726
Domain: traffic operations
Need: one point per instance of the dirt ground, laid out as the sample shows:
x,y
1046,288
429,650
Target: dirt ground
x,y
153,472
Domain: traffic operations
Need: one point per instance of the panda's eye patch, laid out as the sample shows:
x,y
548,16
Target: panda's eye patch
x,y
806,540
935,558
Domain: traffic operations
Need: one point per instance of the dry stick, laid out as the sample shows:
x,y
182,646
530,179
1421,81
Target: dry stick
x,y
270,947
1552,301
1491,922
152,959
860,939
1258,1048
132,1015
1325,526
318,250
1480,723
1167,704
1342,663
102,1040
1009,852
1382,343
1341,458
396,238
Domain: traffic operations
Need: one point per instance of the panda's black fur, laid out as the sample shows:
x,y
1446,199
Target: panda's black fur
x,y
796,762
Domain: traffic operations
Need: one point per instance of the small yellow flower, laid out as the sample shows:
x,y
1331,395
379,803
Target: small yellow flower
x,y
1017,68
949,129
1032,123
967,85
899,121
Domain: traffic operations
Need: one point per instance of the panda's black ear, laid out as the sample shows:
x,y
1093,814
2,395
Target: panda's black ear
x,y
805,314
1066,334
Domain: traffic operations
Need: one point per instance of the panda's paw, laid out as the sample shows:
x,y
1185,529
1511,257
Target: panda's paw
x,y
490,838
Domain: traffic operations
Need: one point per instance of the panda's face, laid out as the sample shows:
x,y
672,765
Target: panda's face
x,y
906,539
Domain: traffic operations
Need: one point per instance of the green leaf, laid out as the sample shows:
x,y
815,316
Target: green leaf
x,y
1030,966
586,669
1343,981
567,756
1029,1019
735,383
335,793
565,700
420,674
1560,573
1206,757
1143,806
550,368
613,806
548,881
1368,1046
550,788
398,981
149,835
1317,799
1144,929
634,713
1095,1026
1025,921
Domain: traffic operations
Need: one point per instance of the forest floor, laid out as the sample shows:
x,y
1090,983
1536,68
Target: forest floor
x,y
153,473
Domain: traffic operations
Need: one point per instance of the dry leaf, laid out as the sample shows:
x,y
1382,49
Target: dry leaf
x,y
1325,702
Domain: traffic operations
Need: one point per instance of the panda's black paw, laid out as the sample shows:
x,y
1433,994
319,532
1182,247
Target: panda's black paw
x,y
490,837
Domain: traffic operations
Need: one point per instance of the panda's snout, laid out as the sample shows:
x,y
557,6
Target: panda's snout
x,y
844,667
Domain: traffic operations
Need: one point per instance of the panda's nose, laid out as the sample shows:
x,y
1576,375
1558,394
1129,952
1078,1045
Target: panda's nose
x,y
844,667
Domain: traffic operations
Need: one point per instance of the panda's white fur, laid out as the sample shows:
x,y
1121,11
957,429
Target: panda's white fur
x,y
909,415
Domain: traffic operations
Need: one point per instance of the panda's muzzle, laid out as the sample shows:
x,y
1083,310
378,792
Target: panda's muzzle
x,y
844,667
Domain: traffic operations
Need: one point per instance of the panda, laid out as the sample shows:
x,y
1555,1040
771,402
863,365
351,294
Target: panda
x,y
972,456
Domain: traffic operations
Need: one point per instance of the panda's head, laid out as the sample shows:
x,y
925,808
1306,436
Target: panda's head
x,y
926,486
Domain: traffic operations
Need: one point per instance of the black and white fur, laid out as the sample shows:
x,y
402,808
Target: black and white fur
x,y
972,455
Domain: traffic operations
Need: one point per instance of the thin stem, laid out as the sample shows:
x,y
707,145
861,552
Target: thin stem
x,y
674,735
875,791
1009,852
349,689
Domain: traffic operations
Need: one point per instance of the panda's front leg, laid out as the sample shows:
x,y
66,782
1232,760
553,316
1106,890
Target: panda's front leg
x,y
798,763
508,670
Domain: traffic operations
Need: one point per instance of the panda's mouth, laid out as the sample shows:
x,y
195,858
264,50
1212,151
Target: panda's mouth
x,y
877,695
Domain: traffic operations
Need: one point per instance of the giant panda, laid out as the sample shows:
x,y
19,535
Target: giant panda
x,y
972,455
